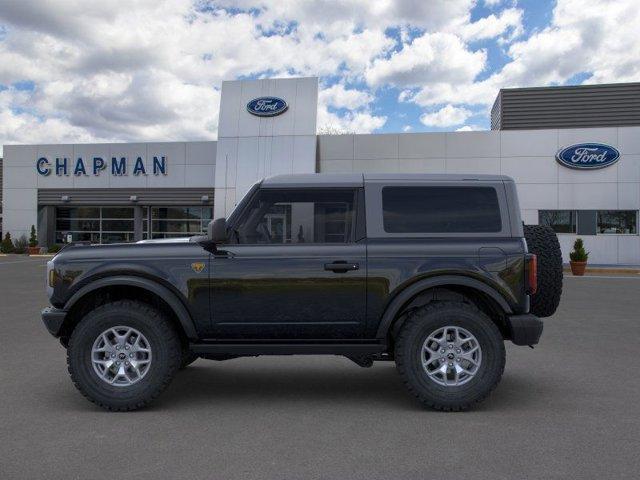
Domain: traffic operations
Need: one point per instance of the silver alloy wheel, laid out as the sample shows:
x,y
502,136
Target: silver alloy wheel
x,y
121,356
451,356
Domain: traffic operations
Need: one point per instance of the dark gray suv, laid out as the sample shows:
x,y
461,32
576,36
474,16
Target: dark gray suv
x,y
430,271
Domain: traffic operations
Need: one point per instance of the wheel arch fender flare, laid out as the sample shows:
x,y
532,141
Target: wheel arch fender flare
x,y
409,292
165,294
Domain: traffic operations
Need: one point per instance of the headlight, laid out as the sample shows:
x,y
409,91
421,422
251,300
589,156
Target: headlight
x,y
52,278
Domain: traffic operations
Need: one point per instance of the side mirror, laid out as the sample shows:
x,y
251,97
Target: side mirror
x,y
217,230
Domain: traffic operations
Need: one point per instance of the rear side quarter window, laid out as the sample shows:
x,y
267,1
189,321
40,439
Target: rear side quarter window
x,y
441,209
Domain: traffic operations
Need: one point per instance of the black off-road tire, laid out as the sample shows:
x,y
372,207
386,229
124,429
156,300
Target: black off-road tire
x,y
543,241
163,340
188,357
423,322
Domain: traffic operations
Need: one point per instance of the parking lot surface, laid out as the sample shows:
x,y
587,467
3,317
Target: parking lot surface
x,y
567,409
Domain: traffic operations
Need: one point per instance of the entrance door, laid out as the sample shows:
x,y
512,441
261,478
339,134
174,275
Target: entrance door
x,y
292,268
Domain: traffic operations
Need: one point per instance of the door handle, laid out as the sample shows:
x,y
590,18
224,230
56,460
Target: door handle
x,y
341,266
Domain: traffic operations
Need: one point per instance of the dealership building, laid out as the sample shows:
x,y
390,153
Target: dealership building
x,y
574,153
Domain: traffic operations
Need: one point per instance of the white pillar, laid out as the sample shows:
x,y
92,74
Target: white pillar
x,y
252,147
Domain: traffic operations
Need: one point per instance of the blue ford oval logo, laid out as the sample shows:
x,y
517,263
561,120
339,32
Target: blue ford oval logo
x,y
588,156
267,106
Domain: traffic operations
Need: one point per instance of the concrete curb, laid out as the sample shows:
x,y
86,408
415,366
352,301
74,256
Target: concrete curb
x,y
44,255
608,271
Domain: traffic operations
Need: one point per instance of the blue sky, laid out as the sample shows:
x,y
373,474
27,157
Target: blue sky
x,y
77,71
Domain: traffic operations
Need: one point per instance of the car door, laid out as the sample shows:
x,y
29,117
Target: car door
x,y
293,268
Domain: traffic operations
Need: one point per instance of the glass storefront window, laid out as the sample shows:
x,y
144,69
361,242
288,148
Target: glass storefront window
x,y
168,222
94,224
78,212
116,224
561,221
117,212
617,222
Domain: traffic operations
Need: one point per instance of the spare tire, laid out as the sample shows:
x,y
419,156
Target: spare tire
x,y
543,241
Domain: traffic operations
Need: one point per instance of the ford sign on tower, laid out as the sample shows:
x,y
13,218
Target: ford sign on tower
x,y
588,156
267,106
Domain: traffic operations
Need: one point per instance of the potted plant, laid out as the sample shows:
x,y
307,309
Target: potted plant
x,y
7,244
578,258
33,249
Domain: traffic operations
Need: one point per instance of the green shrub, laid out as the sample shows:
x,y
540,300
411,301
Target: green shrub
x,y
7,244
20,244
33,237
55,248
579,254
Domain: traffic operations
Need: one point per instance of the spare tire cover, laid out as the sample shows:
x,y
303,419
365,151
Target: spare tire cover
x,y
543,241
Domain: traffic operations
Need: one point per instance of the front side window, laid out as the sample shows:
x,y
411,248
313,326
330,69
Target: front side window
x,y
296,216
440,210
618,221
561,221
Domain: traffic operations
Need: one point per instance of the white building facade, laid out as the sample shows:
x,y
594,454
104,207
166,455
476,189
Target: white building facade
x,y
126,192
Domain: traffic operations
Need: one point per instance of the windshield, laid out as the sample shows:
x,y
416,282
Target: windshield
x,y
240,206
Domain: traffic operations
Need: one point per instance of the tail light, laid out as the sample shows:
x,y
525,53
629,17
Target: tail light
x,y
532,274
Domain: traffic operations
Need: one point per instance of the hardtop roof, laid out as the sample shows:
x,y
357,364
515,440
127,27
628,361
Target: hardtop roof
x,y
359,179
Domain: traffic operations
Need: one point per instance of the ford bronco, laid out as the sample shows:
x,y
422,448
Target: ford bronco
x,y
434,272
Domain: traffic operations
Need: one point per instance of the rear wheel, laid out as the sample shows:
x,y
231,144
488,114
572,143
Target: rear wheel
x,y
450,355
543,241
123,354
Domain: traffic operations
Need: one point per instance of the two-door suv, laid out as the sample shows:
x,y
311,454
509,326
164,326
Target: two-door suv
x,y
431,271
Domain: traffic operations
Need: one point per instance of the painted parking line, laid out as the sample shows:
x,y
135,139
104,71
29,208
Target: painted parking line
x,y
12,262
606,276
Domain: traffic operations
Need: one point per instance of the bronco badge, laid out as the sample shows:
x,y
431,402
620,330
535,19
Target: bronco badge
x,y
197,266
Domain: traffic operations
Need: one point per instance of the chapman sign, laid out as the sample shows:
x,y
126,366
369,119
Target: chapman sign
x,y
588,156
267,106
118,166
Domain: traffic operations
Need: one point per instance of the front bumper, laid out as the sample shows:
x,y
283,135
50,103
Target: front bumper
x,y
53,319
525,329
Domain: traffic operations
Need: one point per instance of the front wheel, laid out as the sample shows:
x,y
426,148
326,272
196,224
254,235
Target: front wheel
x,y
450,355
123,354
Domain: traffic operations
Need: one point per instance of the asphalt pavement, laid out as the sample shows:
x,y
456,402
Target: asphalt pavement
x,y
567,409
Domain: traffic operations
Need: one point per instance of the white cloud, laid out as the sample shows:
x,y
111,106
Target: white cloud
x,y
407,128
447,116
479,93
151,70
432,57
357,119
325,14
469,128
340,97
358,122
508,22
23,126
598,38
